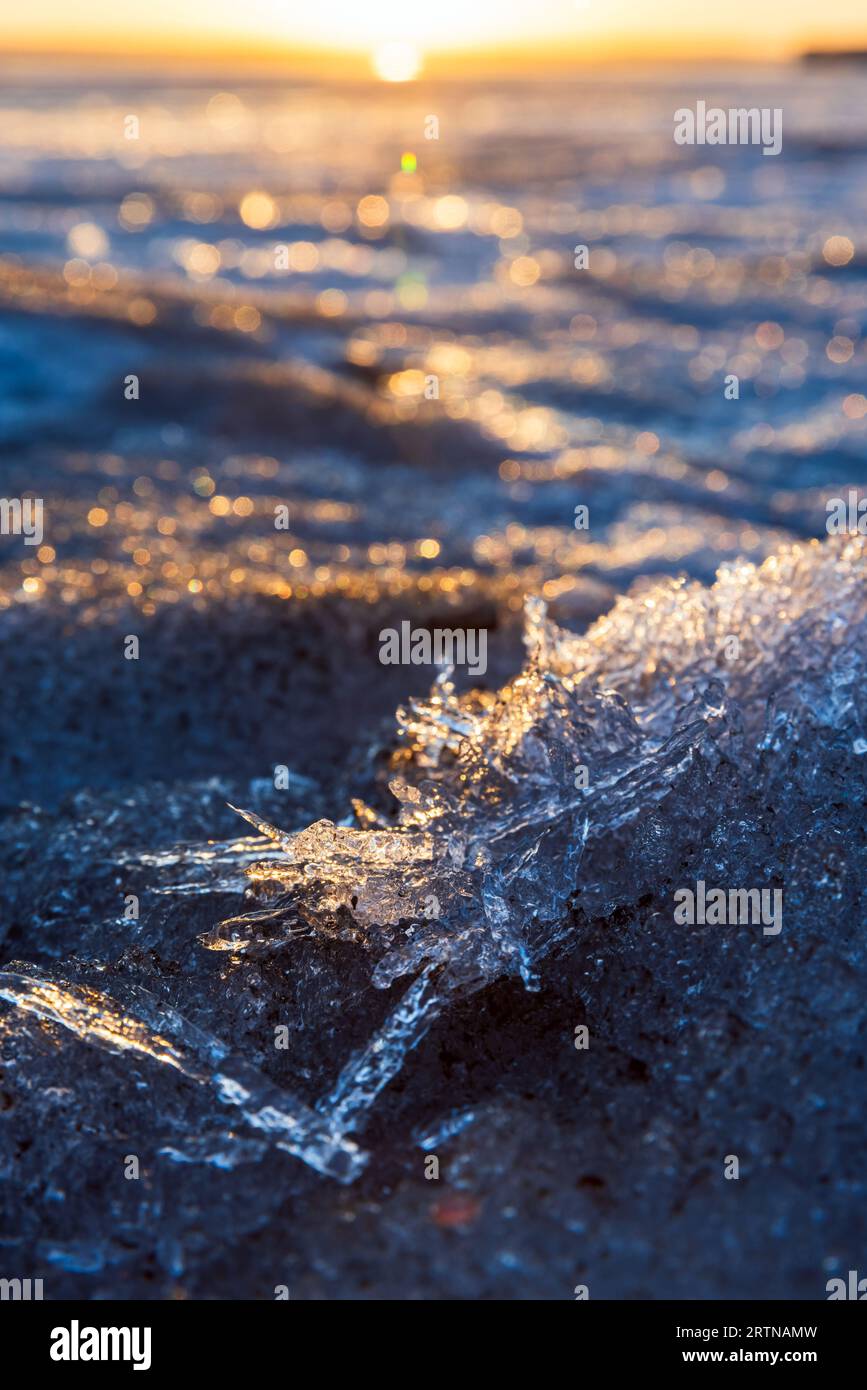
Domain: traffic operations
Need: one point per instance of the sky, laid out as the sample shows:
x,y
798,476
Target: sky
x,y
426,28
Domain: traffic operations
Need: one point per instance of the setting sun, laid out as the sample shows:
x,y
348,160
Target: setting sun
x,y
397,62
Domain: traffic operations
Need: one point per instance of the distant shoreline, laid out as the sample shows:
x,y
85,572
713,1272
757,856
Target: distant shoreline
x,y
844,55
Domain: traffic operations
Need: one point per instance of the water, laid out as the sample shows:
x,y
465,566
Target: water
x,y
306,386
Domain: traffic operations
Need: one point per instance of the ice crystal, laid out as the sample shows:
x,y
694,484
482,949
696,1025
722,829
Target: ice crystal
x,y
590,779
134,1021
473,880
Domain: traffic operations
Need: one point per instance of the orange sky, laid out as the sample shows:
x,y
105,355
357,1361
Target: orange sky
x,y
433,29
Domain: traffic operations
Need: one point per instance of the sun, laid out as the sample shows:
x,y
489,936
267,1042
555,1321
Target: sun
x,y
397,61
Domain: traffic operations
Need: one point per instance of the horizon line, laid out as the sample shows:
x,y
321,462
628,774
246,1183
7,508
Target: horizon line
x,y
501,59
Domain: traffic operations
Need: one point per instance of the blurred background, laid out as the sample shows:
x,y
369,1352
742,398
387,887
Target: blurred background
x,y
326,261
